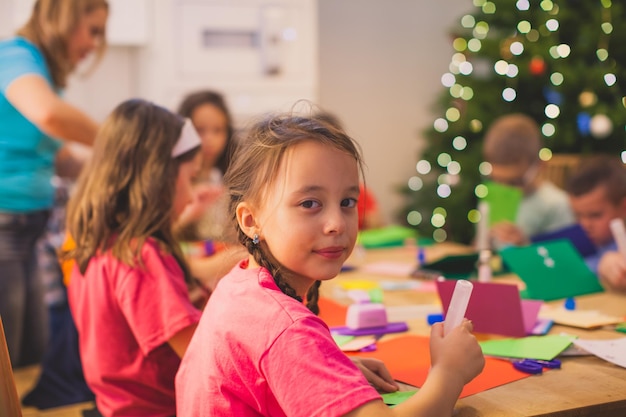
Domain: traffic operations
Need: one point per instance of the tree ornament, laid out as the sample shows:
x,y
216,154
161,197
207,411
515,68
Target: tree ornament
x,y
601,126
505,48
552,96
587,98
583,121
537,66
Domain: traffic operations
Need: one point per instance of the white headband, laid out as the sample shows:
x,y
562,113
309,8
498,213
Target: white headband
x,y
187,140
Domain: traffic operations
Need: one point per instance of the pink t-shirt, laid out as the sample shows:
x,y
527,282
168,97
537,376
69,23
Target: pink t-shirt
x,y
125,316
258,352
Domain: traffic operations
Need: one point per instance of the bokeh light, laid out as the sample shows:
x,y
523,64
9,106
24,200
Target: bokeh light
x,y
415,183
423,167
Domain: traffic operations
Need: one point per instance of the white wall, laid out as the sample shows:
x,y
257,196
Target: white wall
x,y
173,63
380,69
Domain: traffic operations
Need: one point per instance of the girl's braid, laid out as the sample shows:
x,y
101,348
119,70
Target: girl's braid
x,y
313,293
313,296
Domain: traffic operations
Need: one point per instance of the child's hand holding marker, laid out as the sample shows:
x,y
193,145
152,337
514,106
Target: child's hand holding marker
x,y
458,305
612,265
452,346
619,234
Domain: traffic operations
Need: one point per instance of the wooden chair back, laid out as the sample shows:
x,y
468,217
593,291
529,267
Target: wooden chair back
x,y
559,168
9,400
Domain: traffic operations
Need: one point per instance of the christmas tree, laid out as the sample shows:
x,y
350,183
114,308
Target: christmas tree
x,y
562,62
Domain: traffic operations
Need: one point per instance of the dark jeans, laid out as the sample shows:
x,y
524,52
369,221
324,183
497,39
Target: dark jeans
x,y
22,306
61,381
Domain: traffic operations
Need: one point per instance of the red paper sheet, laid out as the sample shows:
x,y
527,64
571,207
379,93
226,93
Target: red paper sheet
x,y
408,357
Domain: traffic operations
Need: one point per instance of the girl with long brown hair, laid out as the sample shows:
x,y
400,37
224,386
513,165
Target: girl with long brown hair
x,y
127,291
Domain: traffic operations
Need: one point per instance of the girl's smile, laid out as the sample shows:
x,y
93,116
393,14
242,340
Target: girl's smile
x,y
331,252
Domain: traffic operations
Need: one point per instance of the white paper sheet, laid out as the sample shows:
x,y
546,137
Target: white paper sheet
x,y
613,350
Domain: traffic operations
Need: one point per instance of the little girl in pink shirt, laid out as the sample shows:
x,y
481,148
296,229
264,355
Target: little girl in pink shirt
x,y
258,350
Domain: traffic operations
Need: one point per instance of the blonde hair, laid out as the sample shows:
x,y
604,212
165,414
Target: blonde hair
x,y
125,194
255,167
512,139
50,26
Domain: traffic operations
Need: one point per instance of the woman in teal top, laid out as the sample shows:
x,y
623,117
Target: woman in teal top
x,y
34,122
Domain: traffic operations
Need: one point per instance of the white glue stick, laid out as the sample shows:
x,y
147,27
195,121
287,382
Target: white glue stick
x,y
458,305
619,234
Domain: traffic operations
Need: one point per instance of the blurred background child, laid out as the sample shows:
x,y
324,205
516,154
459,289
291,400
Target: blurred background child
x,y
597,192
61,381
127,290
299,224
512,146
210,116
204,219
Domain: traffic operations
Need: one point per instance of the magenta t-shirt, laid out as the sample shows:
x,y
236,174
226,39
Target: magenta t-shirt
x,y
125,316
258,352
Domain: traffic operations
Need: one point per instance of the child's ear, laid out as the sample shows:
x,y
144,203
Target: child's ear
x,y
246,219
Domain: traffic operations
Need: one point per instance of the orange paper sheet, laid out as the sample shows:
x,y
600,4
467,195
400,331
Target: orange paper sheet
x,y
333,313
408,357
408,360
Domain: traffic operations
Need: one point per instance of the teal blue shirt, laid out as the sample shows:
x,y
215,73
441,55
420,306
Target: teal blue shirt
x,y
26,153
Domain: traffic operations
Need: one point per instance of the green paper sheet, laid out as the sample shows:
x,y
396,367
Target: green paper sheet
x,y
386,237
395,398
341,339
503,202
551,270
376,295
531,347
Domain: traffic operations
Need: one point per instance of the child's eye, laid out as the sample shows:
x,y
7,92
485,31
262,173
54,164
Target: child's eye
x,y
310,204
348,202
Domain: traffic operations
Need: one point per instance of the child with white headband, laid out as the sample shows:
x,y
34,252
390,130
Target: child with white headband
x,y
127,291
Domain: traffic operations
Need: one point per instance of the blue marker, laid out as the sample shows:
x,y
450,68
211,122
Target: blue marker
x,y
421,256
570,304
434,318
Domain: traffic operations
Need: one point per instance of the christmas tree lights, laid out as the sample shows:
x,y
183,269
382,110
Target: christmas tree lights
x,y
560,62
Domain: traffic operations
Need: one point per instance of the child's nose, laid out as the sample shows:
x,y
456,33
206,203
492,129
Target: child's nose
x,y
335,222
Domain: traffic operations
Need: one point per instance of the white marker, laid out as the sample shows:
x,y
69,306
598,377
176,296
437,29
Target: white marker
x,y
619,234
482,228
458,305
484,266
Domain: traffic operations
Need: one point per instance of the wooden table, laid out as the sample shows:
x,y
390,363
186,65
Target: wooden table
x,y
585,386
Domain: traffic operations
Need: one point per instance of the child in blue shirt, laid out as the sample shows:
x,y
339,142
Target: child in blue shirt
x,y
597,193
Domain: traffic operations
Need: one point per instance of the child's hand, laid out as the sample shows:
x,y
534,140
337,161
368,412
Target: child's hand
x,y
458,354
612,270
509,234
376,373
204,196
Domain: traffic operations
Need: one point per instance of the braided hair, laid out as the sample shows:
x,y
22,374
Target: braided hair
x,y
255,166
